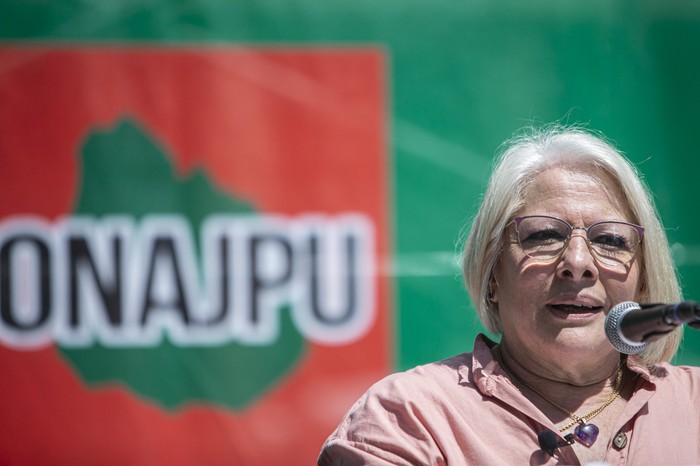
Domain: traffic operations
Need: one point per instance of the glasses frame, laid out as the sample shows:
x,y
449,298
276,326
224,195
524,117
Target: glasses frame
x,y
640,231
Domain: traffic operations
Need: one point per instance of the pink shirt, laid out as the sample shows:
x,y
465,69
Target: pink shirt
x,y
464,410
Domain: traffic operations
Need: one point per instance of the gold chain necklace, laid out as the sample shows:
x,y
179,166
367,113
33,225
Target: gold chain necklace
x,y
585,432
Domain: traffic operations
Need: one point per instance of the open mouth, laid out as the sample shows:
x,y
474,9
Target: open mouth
x,y
576,308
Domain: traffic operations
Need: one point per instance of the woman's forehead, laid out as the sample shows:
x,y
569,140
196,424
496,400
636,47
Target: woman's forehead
x,y
576,192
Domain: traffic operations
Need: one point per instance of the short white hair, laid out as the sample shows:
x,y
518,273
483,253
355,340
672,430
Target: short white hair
x,y
524,156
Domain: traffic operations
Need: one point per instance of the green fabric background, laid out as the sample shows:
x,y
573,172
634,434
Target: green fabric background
x,y
463,76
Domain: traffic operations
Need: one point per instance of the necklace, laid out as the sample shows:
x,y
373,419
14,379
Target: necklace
x,y
585,432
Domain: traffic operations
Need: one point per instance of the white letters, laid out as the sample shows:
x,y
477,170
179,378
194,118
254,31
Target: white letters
x,y
112,280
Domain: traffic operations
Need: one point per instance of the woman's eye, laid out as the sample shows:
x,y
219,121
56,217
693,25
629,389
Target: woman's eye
x,y
544,236
611,241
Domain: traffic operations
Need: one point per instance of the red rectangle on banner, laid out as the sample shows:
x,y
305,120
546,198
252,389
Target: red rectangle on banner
x,y
192,250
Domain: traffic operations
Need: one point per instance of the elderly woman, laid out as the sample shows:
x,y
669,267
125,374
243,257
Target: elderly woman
x,y
566,231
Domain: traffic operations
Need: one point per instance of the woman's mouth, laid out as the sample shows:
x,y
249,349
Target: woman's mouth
x,y
575,308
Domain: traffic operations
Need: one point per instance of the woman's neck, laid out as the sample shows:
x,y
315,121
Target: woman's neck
x,y
574,383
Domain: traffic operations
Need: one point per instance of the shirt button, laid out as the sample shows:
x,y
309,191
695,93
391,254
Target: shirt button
x,y
620,440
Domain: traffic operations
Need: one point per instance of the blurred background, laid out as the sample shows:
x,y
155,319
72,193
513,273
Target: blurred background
x,y
220,222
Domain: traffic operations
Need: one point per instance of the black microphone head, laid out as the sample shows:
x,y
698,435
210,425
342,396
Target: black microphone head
x,y
548,441
614,332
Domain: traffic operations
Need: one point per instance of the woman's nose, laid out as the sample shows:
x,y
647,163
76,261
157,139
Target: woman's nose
x,y
577,261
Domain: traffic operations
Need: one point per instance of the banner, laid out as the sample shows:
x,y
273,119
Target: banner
x,y
221,222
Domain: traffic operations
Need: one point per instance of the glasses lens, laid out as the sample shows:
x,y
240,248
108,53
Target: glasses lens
x,y
542,237
614,243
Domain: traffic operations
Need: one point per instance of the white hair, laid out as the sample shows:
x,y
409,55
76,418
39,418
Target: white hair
x,y
521,159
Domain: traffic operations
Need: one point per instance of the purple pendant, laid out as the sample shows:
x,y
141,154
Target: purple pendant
x,y
586,433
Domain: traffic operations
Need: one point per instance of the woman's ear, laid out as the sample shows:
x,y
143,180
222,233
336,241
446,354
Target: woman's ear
x,y
492,293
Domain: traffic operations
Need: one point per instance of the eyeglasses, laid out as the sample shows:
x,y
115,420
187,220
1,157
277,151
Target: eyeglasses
x,y
611,242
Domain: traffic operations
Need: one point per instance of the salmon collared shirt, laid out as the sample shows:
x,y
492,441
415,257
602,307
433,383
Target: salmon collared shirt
x,y
465,411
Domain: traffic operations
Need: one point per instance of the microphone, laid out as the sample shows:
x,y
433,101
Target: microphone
x,y
630,326
548,441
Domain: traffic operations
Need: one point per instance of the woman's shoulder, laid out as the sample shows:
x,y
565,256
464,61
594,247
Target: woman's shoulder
x,y
687,372
405,397
438,385
677,377
449,371
443,379
420,394
397,418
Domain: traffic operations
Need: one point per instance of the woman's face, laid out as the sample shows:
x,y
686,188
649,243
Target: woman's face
x,y
558,307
